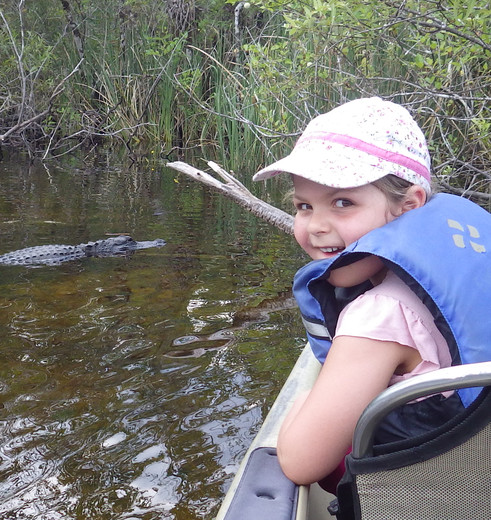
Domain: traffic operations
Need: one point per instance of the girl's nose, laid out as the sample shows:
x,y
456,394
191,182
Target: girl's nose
x,y
318,223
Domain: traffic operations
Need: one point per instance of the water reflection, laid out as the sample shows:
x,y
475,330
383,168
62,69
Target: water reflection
x,y
131,387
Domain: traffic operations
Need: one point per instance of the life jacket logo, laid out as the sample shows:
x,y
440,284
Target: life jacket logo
x,y
472,232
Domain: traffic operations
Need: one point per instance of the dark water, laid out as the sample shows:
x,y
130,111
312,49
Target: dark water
x,y
130,387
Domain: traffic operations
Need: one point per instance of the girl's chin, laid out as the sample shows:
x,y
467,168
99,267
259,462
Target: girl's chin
x,y
369,268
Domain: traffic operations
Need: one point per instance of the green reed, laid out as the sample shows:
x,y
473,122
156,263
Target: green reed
x,y
147,82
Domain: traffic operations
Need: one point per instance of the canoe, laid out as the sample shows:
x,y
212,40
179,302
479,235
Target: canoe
x,y
272,489
260,490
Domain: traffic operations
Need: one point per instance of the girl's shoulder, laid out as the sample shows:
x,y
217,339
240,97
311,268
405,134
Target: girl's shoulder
x,y
391,311
393,287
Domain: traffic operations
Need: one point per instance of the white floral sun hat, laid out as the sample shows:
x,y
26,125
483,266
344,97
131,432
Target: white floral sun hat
x,y
358,143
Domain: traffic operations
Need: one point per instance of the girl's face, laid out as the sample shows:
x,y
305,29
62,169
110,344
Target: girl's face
x,y
329,219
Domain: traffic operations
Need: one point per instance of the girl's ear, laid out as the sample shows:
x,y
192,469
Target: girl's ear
x,y
415,198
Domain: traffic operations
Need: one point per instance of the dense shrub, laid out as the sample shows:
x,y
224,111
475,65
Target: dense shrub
x,y
243,77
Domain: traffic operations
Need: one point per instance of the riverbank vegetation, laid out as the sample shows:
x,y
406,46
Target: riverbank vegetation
x,y
243,77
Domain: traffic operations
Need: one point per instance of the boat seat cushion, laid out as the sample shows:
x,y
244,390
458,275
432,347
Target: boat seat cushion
x,y
264,492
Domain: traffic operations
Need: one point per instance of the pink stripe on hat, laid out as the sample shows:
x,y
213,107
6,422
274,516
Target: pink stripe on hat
x,y
358,144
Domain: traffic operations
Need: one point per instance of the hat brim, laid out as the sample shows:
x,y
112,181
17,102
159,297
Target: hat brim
x,y
337,168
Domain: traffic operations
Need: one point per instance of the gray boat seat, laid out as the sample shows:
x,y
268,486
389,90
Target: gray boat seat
x,y
441,475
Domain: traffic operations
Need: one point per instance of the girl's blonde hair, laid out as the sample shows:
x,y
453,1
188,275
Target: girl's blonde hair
x,y
394,188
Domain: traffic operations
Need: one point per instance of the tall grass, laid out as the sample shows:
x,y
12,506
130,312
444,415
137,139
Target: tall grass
x,y
148,84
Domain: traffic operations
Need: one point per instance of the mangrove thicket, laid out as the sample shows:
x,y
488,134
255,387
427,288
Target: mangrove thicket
x,y
243,78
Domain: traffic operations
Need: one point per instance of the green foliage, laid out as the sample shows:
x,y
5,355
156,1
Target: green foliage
x,y
434,57
185,74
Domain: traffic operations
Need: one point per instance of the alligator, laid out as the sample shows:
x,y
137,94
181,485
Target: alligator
x,y
56,254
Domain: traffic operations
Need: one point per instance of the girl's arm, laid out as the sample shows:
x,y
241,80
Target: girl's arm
x,y
318,430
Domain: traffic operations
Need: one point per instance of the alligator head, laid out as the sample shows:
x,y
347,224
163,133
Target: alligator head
x,y
118,246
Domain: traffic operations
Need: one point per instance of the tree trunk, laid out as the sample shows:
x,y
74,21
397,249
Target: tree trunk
x,y
77,35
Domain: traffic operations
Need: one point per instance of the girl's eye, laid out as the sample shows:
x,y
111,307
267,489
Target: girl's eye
x,y
302,206
342,203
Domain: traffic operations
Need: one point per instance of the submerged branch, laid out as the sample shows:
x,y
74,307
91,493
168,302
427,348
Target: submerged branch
x,y
235,190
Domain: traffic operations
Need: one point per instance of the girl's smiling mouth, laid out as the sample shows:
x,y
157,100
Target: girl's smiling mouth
x,y
331,249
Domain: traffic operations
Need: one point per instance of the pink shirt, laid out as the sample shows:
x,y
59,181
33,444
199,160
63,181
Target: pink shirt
x,y
391,311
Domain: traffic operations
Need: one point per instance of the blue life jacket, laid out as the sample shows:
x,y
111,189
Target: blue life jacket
x,y
442,251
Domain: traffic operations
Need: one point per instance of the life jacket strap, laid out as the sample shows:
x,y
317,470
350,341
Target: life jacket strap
x,y
318,330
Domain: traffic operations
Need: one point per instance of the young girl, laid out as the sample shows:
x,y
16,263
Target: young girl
x,y
361,177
